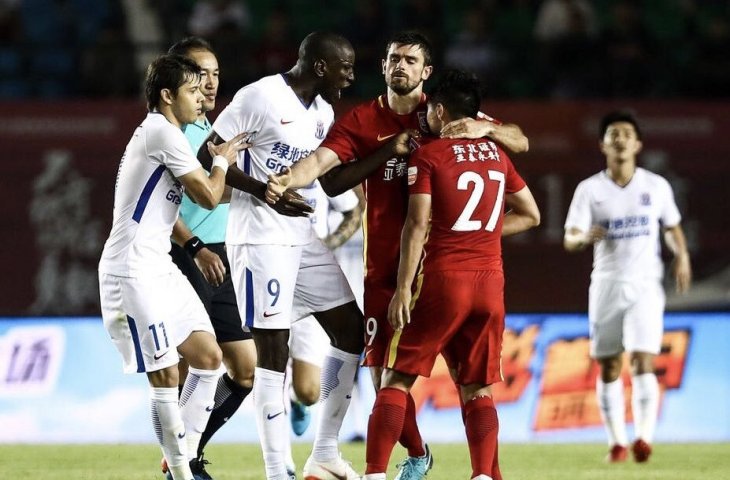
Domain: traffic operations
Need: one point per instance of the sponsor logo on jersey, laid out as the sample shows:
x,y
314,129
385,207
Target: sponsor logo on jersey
x,y
412,175
385,137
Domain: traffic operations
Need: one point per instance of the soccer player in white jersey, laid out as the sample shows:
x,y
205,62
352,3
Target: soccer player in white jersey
x,y
281,271
148,307
621,212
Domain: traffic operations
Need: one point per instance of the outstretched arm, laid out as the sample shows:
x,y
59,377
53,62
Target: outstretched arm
x,y
291,204
508,135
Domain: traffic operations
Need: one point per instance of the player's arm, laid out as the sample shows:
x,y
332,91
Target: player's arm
x,y
351,221
508,135
413,238
334,176
207,261
523,213
207,190
290,204
576,240
681,267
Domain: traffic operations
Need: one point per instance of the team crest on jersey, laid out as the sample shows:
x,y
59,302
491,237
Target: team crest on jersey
x,y
412,175
320,130
422,122
645,199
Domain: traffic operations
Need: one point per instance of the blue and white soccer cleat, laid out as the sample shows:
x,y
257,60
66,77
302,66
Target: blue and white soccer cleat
x,y
300,417
415,468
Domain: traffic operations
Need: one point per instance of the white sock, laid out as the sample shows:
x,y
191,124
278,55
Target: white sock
x,y
170,430
271,420
645,405
338,377
611,404
196,402
356,407
374,476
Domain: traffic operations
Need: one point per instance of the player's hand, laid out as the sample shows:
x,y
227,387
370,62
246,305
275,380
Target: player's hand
x,y
682,273
595,234
399,312
211,266
230,149
467,128
277,184
401,145
291,204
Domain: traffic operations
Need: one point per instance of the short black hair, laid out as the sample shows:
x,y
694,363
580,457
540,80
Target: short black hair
x,y
321,46
618,116
188,44
412,37
168,71
459,92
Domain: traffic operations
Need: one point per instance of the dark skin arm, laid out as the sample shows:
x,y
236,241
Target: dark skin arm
x,y
348,175
291,204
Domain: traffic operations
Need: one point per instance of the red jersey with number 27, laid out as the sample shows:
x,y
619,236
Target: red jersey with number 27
x,y
467,181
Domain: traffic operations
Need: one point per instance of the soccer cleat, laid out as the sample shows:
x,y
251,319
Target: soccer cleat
x,y
617,454
300,417
291,473
338,469
641,450
415,468
197,467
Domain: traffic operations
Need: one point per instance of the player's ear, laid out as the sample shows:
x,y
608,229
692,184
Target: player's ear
x,y
427,71
166,96
383,62
440,111
639,146
319,67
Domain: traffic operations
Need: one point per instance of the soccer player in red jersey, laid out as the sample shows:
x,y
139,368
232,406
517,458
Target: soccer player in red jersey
x,y
368,145
458,192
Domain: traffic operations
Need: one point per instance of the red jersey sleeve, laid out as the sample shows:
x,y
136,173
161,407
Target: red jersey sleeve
x,y
341,138
419,173
513,181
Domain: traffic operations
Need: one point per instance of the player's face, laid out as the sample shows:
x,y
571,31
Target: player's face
x,y
339,74
405,69
620,142
209,78
187,103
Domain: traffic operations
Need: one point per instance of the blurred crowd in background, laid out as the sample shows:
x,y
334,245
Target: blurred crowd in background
x,y
533,49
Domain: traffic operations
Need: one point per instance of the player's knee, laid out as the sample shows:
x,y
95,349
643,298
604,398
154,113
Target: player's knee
x,y
209,359
308,393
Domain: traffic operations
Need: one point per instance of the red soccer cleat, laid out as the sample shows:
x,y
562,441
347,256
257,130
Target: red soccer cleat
x,y
641,451
618,453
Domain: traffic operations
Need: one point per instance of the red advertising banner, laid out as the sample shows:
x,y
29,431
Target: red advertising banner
x,y
60,160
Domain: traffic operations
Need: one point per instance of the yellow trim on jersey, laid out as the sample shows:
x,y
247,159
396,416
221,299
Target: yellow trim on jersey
x,y
419,272
393,349
365,240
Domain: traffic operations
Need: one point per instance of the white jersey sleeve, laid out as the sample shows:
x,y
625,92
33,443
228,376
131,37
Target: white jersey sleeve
x,y
245,113
669,215
579,213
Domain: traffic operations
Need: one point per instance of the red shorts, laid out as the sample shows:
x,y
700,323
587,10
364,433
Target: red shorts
x,y
461,315
378,331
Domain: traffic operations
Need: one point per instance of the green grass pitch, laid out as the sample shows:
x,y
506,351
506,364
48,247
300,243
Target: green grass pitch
x,y
243,462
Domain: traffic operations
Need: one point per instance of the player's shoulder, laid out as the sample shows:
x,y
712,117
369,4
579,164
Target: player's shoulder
x,y
158,130
649,176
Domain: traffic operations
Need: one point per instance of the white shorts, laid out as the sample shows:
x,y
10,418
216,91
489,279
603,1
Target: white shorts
x,y
278,284
625,316
147,318
308,341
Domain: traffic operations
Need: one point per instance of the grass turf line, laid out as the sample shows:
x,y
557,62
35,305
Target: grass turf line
x,y
243,462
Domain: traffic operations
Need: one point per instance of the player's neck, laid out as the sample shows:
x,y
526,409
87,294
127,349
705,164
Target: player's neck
x,y
305,90
404,104
167,112
621,171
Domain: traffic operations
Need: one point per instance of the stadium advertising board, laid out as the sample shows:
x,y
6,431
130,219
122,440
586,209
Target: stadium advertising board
x,y
60,375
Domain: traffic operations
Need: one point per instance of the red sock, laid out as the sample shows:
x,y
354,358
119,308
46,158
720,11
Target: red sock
x,y
482,427
496,474
384,428
410,437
